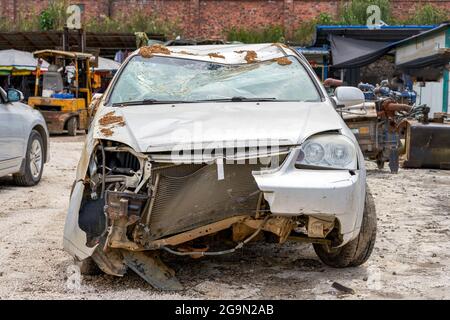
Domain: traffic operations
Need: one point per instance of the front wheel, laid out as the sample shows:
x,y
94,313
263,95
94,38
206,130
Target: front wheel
x,y
72,126
88,267
380,161
34,162
357,251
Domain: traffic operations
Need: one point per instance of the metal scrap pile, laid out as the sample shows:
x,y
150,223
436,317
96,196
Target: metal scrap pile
x,y
390,123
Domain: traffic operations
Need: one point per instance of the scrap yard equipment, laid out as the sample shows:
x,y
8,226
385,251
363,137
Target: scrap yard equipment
x,y
428,143
378,122
64,92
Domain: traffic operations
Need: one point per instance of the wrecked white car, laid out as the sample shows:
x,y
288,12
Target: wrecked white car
x,y
199,150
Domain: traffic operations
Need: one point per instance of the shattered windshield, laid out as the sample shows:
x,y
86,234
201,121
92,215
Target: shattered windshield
x,y
160,79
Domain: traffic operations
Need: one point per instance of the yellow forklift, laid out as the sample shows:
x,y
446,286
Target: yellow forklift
x,y
63,92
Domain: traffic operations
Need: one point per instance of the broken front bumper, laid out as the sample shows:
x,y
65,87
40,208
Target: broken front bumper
x,y
324,194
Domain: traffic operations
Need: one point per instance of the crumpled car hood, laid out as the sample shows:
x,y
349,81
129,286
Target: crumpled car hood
x,y
157,128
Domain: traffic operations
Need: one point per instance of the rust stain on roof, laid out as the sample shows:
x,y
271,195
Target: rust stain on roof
x,y
107,132
215,55
251,56
186,52
111,119
283,61
148,51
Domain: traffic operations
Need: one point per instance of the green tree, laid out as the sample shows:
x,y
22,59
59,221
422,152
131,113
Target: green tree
x,y
355,12
271,33
54,16
428,14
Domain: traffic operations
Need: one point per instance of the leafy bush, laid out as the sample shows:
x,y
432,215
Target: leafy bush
x,y
54,16
23,22
271,33
150,24
153,24
104,24
428,14
304,34
46,21
355,12
325,19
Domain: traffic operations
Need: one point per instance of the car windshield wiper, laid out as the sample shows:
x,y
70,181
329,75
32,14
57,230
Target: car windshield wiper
x,y
237,99
146,102
154,101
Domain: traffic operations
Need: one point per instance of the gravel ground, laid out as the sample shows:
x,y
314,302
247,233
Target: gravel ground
x,y
411,258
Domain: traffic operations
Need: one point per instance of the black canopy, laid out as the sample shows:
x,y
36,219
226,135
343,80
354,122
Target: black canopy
x,y
353,53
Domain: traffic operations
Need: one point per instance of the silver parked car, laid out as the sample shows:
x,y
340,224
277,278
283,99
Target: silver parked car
x,y
24,139
200,150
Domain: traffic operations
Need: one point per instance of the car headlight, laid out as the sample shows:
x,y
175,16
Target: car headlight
x,y
332,151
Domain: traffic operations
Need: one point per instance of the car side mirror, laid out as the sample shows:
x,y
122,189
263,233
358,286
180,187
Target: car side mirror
x,y
15,95
348,96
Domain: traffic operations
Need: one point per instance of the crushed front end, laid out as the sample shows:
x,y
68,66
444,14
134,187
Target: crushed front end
x,y
126,206
275,164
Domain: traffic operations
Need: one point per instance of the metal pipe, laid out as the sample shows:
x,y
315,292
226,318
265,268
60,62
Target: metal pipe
x,y
217,253
103,169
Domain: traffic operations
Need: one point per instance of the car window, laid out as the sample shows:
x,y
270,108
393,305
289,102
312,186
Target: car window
x,y
175,79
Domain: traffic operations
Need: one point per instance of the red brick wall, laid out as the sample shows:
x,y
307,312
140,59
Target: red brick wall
x,y
403,8
208,18
13,9
217,15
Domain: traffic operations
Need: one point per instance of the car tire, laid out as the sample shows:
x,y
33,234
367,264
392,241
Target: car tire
x,y
34,162
380,161
88,267
72,126
358,250
380,164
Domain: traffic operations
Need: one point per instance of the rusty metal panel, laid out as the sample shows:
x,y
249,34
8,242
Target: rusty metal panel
x,y
55,120
184,202
427,145
366,133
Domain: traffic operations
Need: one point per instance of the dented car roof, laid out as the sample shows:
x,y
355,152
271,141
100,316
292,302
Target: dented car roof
x,y
151,129
227,54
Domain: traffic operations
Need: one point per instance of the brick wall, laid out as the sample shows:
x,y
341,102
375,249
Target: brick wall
x,y
403,8
12,9
208,18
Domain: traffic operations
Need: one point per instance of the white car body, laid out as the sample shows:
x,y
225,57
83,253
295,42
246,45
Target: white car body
x,y
328,194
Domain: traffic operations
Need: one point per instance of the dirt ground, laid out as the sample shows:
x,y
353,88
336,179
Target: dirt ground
x,y
411,258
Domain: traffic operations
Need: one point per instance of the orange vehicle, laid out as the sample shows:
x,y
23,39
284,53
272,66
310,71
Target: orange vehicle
x,y
64,92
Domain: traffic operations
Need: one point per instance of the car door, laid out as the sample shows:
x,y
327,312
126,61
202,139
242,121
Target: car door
x,y
12,136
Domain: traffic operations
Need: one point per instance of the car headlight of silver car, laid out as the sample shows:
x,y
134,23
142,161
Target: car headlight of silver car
x,y
333,151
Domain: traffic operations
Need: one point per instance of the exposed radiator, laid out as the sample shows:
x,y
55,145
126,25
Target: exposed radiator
x,y
188,196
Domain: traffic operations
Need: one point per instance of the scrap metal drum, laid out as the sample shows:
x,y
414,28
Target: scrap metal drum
x,y
427,145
